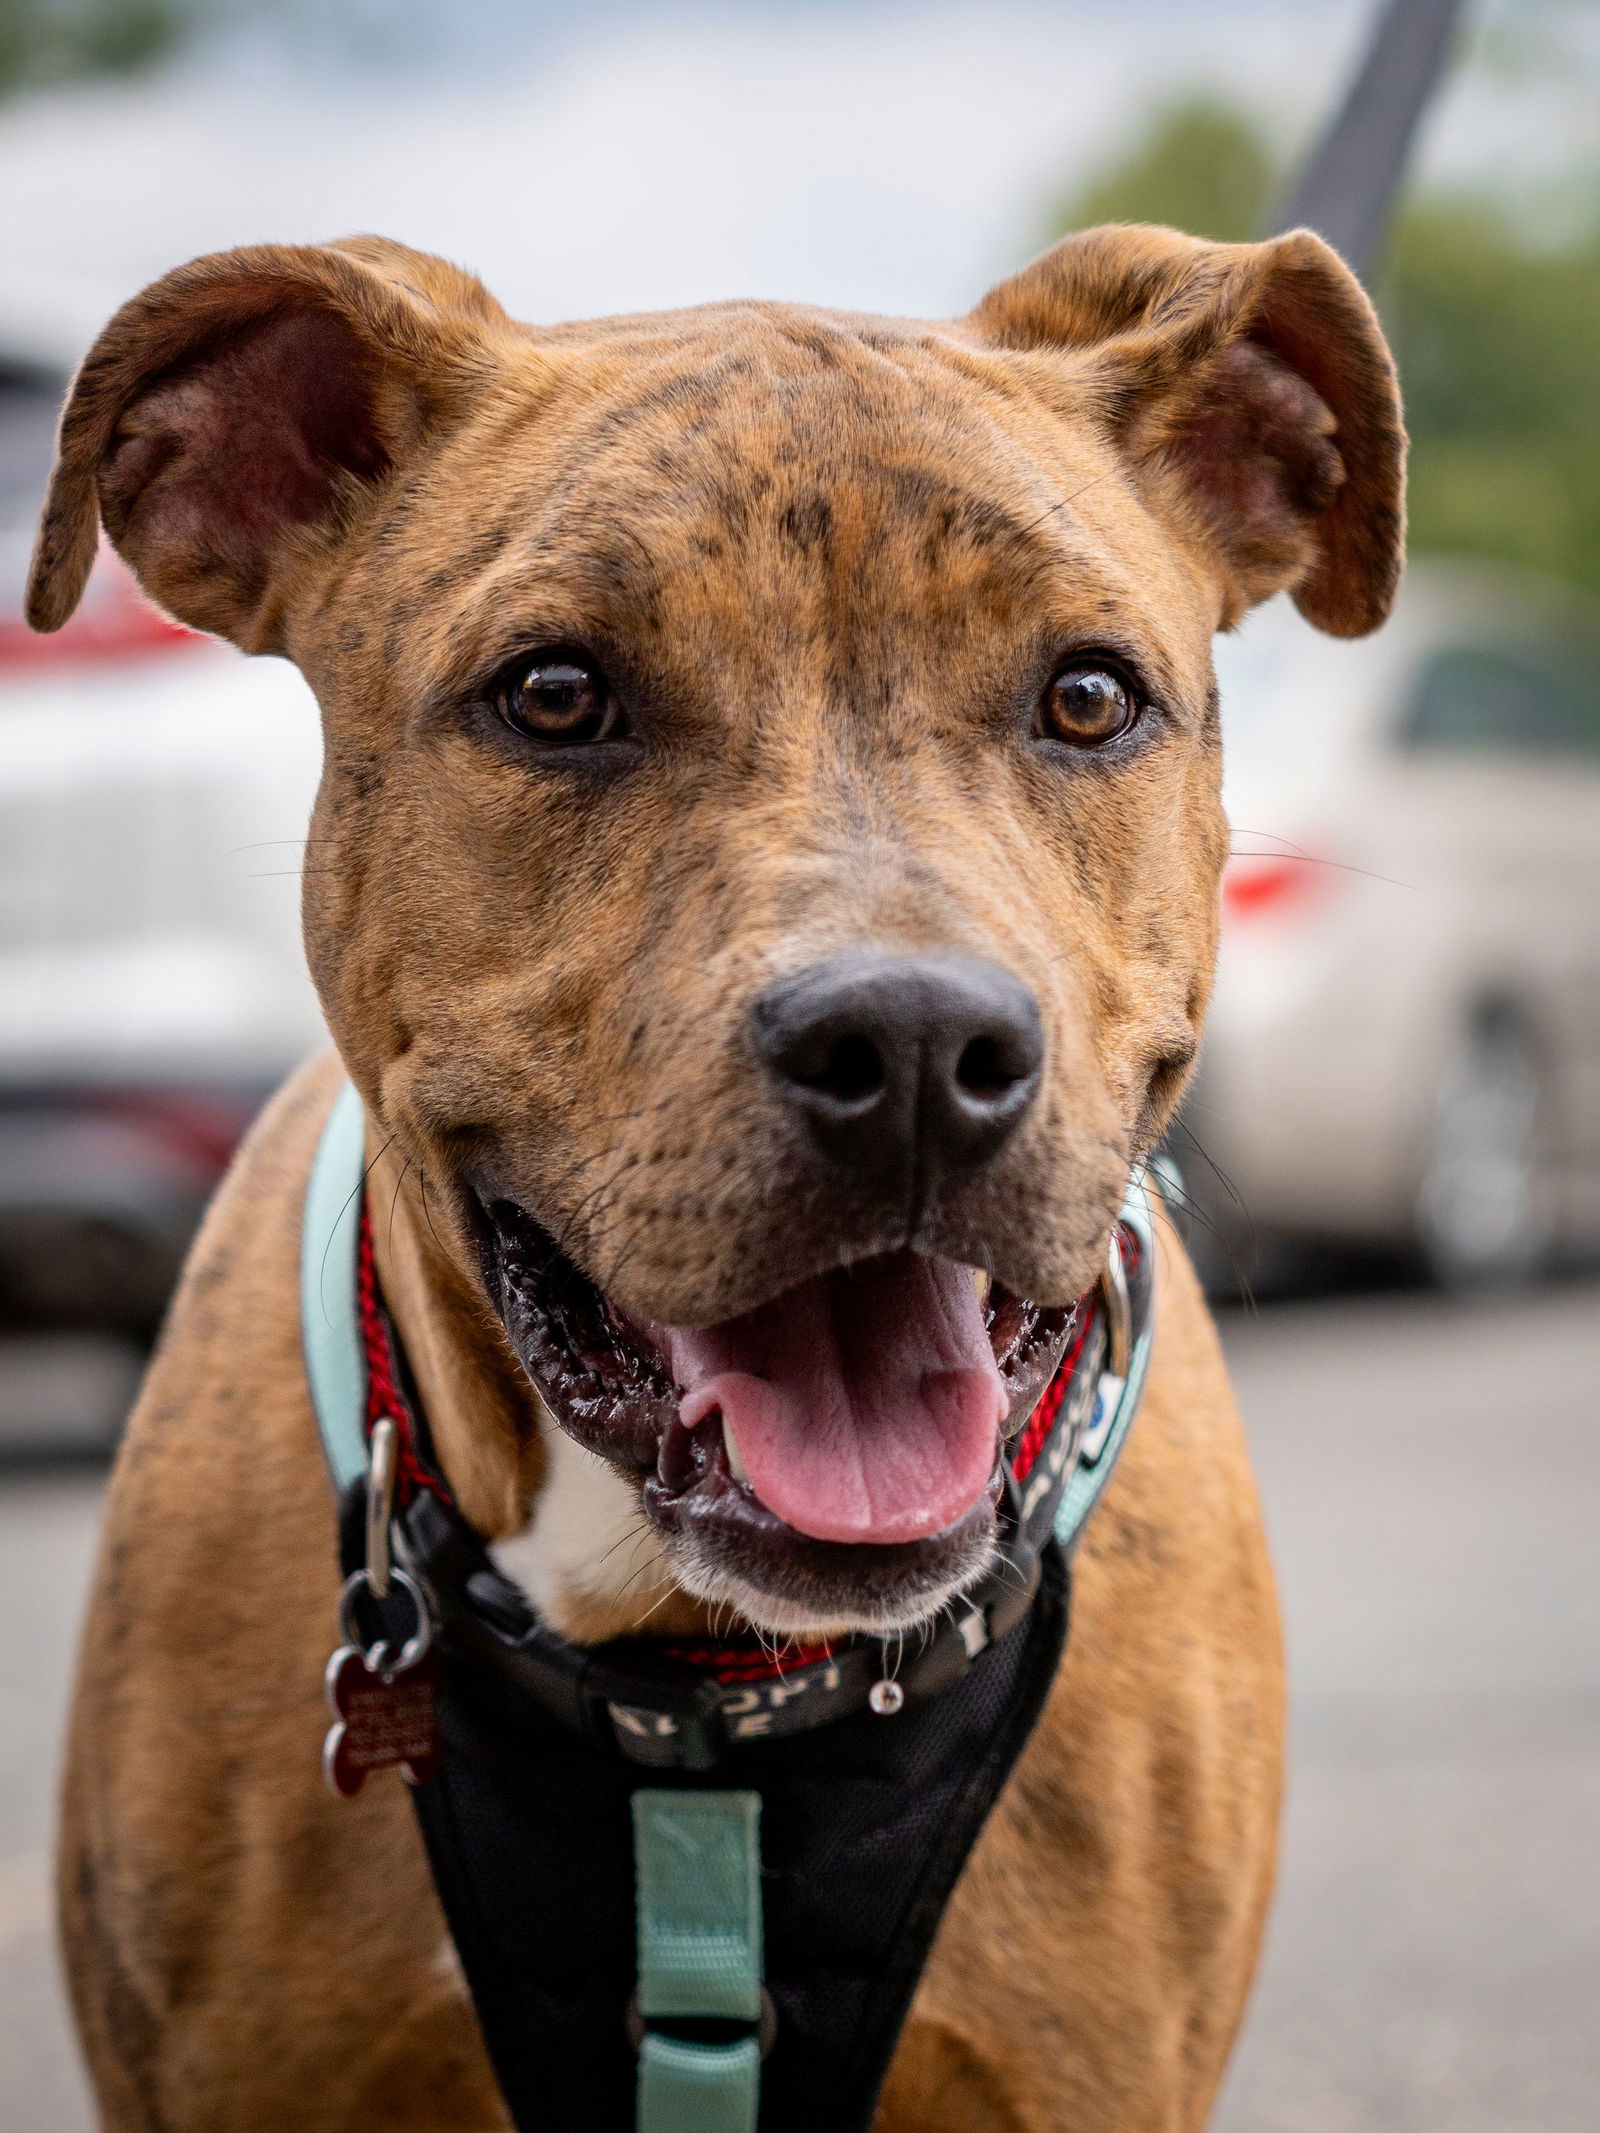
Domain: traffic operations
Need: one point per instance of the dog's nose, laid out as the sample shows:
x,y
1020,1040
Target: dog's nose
x,y
906,1069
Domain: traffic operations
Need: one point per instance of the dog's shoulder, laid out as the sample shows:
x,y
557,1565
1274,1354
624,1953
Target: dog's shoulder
x,y
222,1439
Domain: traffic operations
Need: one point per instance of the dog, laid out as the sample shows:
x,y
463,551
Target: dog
x,y
716,705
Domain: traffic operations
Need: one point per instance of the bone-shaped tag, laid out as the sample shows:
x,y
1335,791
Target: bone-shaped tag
x,y
379,1724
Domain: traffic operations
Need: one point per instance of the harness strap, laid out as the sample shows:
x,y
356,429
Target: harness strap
x,y
698,2088
522,1815
330,1325
697,1867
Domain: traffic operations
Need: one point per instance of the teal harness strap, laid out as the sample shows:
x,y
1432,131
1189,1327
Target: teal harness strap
x,y
330,1323
697,1869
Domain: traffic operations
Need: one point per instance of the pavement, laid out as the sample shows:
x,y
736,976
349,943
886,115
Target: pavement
x,y
1431,1473
48,1522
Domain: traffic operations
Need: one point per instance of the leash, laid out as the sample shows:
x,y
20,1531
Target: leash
x,y
672,1997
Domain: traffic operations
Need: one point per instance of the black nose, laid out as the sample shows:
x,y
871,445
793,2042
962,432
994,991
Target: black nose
x,y
906,1069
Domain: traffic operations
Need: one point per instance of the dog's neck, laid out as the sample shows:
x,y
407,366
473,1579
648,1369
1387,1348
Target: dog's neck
x,y
565,1524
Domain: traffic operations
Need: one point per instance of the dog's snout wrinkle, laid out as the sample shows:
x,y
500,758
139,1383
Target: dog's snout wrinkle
x,y
906,1070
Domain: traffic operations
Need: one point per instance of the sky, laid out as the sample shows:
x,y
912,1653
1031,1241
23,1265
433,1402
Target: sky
x,y
632,155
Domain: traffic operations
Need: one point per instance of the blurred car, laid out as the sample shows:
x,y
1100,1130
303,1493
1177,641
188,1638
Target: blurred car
x,y
154,792
1404,1045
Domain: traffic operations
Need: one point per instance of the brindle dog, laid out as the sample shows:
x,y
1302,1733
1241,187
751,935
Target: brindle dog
x,y
770,828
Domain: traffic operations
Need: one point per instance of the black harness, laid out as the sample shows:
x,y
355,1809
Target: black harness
x,y
875,1766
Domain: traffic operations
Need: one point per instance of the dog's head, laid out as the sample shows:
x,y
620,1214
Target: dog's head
x,y
766,868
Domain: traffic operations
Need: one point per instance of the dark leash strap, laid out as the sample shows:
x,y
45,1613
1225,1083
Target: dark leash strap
x,y
692,1885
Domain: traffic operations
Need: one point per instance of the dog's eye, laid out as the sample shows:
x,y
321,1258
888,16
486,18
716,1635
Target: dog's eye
x,y
1087,706
559,697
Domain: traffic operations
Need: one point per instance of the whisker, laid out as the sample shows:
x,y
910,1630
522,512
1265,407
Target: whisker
x,y
350,1198
1188,1205
422,1181
635,1533
649,1611
395,1201
1288,849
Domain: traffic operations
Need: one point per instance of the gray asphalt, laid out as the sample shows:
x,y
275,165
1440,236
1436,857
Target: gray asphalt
x,y
1431,1474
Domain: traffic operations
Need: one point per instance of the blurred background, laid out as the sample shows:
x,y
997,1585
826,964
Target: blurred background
x,y
1393,1145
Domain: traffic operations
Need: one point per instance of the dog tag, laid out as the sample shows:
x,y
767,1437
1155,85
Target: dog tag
x,y
379,1724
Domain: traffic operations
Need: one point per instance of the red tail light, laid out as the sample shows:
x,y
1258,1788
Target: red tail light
x,y
116,621
1274,882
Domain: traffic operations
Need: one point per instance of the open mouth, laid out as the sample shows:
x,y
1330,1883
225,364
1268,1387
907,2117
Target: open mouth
x,y
836,1450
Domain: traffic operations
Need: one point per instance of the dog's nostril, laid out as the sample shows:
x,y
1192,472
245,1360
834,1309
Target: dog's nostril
x,y
987,1067
850,1070
905,1070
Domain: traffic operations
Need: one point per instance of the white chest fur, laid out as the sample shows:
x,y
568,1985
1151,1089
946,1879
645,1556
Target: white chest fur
x,y
588,1540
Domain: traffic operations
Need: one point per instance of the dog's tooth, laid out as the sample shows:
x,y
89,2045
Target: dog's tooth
x,y
735,1463
982,1282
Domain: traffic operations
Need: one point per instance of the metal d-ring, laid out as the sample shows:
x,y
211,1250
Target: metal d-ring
x,y
377,1656
1119,1310
380,1503
766,2023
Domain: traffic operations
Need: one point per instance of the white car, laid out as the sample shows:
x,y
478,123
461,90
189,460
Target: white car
x,y
1404,1045
154,790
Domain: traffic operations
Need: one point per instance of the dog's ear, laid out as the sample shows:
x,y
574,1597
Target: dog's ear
x,y
1251,387
239,411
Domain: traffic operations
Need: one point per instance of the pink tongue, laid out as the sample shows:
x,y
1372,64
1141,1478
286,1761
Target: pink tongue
x,y
865,1404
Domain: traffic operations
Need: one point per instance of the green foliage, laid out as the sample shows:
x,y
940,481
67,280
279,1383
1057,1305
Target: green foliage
x,y
1497,338
1202,167
1498,342
59,40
